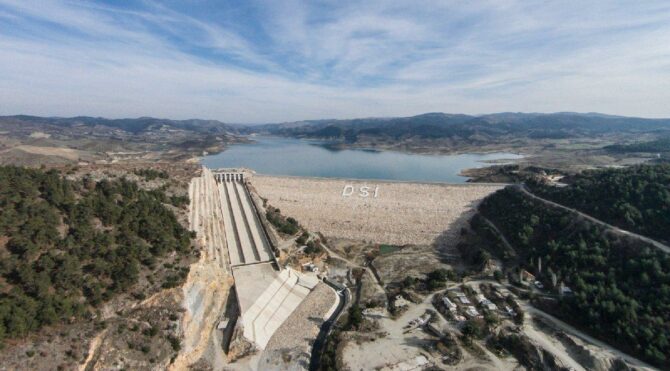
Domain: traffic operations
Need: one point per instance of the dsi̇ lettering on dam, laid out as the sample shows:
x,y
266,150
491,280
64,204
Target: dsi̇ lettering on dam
x,y
363,191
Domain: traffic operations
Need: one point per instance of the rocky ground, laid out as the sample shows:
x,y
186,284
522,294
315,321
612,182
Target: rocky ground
x,y
205,292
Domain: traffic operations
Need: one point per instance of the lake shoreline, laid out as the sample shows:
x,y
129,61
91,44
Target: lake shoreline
x,y
281,156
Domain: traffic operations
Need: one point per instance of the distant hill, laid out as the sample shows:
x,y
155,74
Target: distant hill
x,y
459,127
427,132
427,125
131,125
28,138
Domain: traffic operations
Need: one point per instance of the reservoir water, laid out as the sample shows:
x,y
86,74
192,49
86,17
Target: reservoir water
x,y
299,157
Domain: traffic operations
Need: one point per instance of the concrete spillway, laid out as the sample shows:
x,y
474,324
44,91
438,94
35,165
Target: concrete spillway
x,y
273,306
234,244
246,240
260,244
266,297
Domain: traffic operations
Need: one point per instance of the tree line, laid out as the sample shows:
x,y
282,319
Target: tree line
x,y
655,146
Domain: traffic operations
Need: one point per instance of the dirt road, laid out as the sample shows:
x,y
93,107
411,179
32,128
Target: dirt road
x,y
599,222
614,353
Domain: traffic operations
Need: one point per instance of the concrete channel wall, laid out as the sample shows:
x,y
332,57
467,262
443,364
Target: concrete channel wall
x,y
266,297
273,307
247,241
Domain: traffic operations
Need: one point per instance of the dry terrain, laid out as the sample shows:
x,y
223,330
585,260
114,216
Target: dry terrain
x,y
402,213
35,141
208,283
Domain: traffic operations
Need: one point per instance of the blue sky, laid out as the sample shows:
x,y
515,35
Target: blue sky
x,y
272,61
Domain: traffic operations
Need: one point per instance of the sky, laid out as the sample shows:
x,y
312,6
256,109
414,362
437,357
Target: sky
x,y
276,61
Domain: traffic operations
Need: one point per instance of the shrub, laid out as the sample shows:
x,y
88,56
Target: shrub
x,y
174,342
151,331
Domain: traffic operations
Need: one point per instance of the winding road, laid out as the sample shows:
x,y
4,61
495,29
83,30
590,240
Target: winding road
x,y
498,232
321,339
368,270
522,188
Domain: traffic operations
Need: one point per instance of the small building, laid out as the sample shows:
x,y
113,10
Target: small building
x,y
310,267
471,312
223,324
486,303
461,297
423,319
526,276
447,303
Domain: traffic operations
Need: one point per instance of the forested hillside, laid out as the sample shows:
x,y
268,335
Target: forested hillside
x,y
475,129
134,126
635,198
68,246
621,286
655,146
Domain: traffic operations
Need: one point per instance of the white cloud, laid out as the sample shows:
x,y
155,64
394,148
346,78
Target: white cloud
x,y
336,59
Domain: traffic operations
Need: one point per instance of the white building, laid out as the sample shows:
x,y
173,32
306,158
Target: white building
x,y
447,303
471,312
